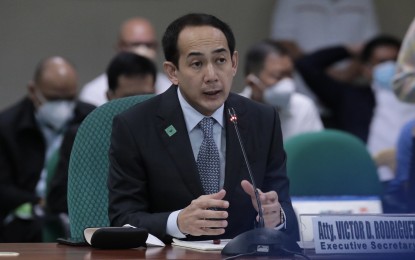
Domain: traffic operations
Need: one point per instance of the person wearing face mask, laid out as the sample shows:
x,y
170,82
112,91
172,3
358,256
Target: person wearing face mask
x,y
268,71
390,115
351,104
31,132
136,35
128,74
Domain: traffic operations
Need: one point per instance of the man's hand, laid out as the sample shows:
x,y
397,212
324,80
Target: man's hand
x,y
200,219
270,205
257,87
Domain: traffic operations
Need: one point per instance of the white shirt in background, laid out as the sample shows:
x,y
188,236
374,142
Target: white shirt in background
x,y
94,92
300,116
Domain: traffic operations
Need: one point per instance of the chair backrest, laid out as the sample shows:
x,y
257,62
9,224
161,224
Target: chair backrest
x,y
88,167
330,163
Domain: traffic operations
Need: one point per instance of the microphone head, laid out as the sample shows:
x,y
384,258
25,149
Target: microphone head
x,y
232,115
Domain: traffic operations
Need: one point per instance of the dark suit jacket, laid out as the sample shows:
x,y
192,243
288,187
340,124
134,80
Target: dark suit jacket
x,y
153,174
22,154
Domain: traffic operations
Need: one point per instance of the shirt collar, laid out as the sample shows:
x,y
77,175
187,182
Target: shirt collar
x,y
192,117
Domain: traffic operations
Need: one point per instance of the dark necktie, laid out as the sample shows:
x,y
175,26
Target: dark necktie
x,y
208,162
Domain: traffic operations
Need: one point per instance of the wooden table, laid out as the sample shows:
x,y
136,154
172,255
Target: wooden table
x,y
53,251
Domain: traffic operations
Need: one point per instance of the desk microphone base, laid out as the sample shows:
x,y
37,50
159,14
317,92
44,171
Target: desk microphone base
x,y
262,241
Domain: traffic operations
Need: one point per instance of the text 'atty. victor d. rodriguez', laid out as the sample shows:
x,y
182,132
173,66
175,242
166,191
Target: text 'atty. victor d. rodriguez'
x,y
364,234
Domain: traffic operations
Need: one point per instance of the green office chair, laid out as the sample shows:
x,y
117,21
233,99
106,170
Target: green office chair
x,y
88,167
330,163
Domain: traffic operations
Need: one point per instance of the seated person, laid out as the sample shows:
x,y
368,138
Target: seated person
x,y
268,73
351,104
390,115
128,74
136,35
396,194
31,131
176,167
404,81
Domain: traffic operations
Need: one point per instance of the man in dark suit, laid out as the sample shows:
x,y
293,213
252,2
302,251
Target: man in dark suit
x,y
157,177
30,133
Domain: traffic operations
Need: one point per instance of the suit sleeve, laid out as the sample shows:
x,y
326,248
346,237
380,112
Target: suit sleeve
x,y
11,196
129,201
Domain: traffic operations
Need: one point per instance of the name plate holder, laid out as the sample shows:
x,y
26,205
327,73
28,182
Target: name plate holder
x,y
358,233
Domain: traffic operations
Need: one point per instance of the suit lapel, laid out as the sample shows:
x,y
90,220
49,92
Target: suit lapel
x,y
172,128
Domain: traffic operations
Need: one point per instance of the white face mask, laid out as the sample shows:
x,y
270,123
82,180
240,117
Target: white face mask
x,y
280,93
56,114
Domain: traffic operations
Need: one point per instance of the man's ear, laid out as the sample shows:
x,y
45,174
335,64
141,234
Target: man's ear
x,y
31,91
234,62
110,94
171,71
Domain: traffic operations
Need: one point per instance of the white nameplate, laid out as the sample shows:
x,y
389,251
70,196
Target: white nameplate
x,y
337,234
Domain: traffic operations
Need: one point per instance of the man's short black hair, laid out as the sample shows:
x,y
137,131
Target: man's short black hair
x,y
256,55
378,41
129,64
171,35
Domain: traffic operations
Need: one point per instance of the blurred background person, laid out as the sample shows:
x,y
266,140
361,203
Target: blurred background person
x,y
128,74
268,73
352,103
404,81
135,35
305,26
401,190
390,115
31,132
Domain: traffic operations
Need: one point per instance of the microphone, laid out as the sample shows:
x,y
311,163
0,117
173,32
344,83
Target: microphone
x,y
260,240
234,119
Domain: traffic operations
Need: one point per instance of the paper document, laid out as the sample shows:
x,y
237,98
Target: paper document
x,y
151,239
206,245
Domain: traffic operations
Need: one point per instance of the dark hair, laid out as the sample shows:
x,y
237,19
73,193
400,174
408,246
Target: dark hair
x,y
171,35
257,53
378,41
129,64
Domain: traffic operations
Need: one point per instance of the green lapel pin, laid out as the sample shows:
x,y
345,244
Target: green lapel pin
x,y
170,130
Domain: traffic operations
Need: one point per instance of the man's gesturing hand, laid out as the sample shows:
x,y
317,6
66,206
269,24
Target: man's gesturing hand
x,y
206,215
270,204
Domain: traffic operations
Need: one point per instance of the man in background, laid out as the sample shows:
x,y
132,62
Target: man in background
x,y
135,35
128,74
31,132
305,26
268,74
352,103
